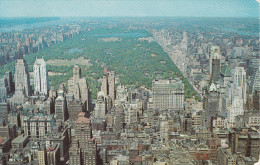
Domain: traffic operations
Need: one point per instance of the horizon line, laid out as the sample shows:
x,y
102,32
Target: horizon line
x,y
131,17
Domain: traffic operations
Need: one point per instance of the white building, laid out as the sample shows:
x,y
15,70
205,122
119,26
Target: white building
x,y
168,94
41,83
237,95
100,108
236,109
239,83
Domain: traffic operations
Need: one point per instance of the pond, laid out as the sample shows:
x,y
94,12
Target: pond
x,y
75,50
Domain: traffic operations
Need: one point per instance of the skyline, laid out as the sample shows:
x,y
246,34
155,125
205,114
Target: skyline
x,y
127,8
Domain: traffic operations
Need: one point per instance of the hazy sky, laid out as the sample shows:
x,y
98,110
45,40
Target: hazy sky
x,y
99,8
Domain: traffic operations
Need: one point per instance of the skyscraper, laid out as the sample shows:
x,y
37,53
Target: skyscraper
x,y
78,87
212,103
22,82
86,143
238,97
21,77
254,83
75,152
108,84
239,83
61,111
100,109
41,83
214,63
6,85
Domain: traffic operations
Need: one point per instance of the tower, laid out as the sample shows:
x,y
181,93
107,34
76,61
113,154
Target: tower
x,y
214,63
111,85
84,135
212,103
100,109
61,106
22,82
78,87
41,83
21,77
239,83
108,84
104,86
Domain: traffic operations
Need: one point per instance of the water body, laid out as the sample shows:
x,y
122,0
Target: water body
x,y
19,24
138,35
75,50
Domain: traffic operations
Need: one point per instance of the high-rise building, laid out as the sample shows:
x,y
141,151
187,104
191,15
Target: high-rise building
x,y
236,91
74,108
61,111
119,118
236,108
78,87
22,82
3,89
75,153
239,83
4,110
6,86
168,94
254,83
100,108
111,85
212,108
83,130
86,143
215,63
21,77
41,82
108,84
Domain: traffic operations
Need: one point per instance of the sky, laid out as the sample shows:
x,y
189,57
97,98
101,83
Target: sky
x,y
129,8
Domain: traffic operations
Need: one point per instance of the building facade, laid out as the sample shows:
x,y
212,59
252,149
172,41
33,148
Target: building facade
x,y
41,82
215,63
168,94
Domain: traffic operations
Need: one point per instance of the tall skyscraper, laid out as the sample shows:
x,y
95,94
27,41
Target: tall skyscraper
x,y
108,84
238,95
212,103
100,108
61,111
168,94
84,135
239,83
4,110
22,82
78,87
6,86
41,82
236,108
21,77
215,63
254,83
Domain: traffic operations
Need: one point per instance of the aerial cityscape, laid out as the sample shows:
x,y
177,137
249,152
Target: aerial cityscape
x,y
153,89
